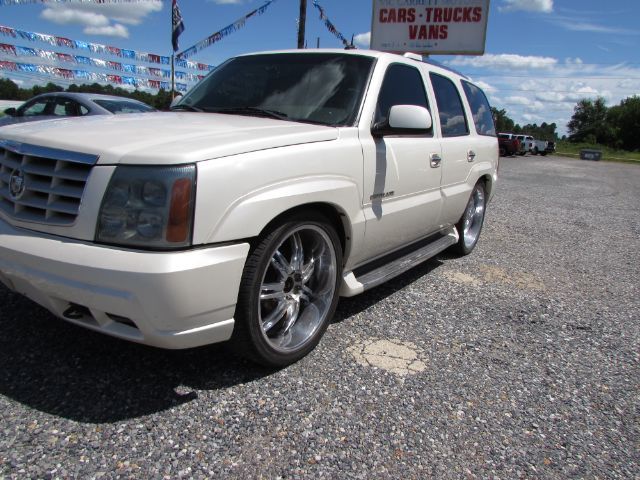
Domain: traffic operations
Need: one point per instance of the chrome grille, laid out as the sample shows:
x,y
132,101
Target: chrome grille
x,y
43,185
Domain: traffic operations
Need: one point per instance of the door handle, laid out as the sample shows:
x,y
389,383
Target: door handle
x,y
435,160
471,155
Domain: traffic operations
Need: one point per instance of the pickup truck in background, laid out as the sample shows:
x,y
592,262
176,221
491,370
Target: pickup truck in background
x,y
509,144
536,147
543,147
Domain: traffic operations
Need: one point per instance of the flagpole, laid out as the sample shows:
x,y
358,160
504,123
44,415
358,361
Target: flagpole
x,y
173,55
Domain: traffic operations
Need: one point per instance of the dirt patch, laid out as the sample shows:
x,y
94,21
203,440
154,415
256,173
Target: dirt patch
x,y
401,358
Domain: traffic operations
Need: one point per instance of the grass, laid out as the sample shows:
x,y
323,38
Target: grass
x,y
572,150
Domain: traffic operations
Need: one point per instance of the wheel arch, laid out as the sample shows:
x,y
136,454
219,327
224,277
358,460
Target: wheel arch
x,y
334,214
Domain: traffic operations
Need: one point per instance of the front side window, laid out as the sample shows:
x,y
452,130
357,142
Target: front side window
x,y
36,108
402,85
323,88
480,109
453,120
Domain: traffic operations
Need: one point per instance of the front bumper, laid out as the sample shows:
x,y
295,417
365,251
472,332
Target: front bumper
x,y
164,299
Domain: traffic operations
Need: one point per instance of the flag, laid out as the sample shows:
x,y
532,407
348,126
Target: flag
x,y
177,24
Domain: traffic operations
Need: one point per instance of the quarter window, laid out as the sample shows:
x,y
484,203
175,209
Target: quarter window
x,y
453,120
402,85
480,109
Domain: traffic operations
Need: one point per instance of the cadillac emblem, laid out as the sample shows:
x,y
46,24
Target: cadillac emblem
x,y
17,184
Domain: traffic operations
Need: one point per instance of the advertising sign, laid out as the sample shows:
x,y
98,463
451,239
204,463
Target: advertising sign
x,y
430,26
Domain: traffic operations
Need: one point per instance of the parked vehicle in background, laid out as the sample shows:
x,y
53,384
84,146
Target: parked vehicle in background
x,y
66,104
508,144
280,182
542,147
526,142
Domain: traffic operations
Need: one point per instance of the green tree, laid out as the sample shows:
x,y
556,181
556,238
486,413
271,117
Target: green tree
x,y
503,122
9,90
625,122
590,124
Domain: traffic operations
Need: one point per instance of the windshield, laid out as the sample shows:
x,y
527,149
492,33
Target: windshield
x,y
324,88
123,106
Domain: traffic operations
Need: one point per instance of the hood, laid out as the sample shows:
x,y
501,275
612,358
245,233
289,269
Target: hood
x,y
166,137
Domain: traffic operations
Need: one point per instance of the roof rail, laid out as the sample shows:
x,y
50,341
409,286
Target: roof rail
x,y
413,56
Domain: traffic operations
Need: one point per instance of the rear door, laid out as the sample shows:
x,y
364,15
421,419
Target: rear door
x,y
458,145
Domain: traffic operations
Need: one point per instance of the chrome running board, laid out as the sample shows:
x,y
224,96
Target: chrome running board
x,y
352,285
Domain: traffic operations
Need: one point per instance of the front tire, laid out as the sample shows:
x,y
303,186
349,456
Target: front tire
x,y
289,290
470,225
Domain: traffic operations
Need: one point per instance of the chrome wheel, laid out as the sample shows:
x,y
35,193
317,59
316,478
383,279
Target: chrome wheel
x,y
473,217
297,288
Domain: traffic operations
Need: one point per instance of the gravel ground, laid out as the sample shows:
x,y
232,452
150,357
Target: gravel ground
x,y
518,361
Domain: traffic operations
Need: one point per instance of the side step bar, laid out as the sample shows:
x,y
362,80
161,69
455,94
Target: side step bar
x,y
352,285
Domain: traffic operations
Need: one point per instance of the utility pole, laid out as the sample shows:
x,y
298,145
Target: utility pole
x,y
302,22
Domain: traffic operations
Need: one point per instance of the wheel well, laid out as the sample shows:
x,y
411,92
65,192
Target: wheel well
x,y
336,217
488,183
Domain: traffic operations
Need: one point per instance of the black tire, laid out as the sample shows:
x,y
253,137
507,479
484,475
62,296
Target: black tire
x,y
544,154
264,332
470,233
503,152
535,151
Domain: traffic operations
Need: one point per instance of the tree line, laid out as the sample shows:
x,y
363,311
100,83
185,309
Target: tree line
x,y
592,122
9,90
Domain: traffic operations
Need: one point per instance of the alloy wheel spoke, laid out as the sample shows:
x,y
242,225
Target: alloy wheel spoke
x,y
271,291
307,270
297,253
275,316
292,316
306,294
280,264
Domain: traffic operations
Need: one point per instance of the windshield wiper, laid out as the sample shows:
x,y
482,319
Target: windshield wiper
x,y
261,112
189,108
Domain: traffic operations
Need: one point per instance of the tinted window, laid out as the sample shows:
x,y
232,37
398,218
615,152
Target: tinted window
x,y
36,108
65,107
123,106
452,118
480,109
323,88
402,85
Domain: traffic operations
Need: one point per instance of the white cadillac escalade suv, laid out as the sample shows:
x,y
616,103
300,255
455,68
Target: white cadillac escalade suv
x,y
282,181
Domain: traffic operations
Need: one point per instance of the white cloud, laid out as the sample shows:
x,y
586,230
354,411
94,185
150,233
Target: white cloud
x,y
504,60
115,30
362,40
102,19
544,6
74,17
517,100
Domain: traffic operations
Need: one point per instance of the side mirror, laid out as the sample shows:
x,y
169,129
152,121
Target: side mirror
x,y
176,100
10,111
404,120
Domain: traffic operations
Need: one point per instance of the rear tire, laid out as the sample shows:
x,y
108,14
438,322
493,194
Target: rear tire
x,y
470,225
289,290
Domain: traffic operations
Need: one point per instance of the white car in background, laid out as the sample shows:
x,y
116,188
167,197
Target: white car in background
x,y
48,106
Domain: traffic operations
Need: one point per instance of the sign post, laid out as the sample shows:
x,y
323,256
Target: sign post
x,y
446,27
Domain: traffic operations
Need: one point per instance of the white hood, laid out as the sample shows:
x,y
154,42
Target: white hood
x,y
166,138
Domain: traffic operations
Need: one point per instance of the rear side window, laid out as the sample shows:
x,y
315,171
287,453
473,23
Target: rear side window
x,y
402,85
480,109
453,121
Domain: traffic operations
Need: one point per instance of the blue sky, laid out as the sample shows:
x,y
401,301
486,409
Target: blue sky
x,y
542,56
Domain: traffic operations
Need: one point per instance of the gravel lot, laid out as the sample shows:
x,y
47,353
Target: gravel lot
x,y
519,361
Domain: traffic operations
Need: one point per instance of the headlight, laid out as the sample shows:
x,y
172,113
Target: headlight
x,y
150,207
